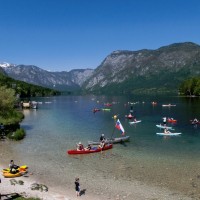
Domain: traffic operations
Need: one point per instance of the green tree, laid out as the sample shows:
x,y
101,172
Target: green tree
x,y
7,100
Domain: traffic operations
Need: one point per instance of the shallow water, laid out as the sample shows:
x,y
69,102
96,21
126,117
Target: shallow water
x,y
57,126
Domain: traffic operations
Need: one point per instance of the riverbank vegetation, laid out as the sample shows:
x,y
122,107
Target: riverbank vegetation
x,y
190,87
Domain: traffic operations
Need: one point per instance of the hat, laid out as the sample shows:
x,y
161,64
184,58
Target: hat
x,y
79,143
102,134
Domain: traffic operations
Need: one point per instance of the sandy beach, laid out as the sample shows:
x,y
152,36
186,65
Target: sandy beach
x,y
136,191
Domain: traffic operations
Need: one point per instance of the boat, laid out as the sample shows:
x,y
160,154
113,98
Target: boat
x,y
106,109
33,104
10,175
162,126
135,122
168,105
19,172
171,120
194,122
92,150
111,140
129,116
96,110
22,168
171,134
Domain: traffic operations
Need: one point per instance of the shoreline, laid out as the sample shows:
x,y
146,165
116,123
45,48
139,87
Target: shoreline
x,y
137,190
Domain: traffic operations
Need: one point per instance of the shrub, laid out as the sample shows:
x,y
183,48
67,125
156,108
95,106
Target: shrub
x,y
17,135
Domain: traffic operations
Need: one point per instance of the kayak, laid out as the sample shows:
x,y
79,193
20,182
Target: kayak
x,y
129,117
21,169
10,175
171,120
111,141
93,150
168,134
135,122
168,105
106,109
162,126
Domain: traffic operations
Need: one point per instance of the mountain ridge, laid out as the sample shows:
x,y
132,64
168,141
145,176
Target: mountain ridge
x,y
122,71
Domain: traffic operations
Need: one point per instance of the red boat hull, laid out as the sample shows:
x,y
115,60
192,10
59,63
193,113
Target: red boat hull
x,y
93,150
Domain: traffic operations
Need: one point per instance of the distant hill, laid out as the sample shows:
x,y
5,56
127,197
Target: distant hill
x,y
145,71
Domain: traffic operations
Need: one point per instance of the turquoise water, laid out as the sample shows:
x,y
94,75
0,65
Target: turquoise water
x,y
61,122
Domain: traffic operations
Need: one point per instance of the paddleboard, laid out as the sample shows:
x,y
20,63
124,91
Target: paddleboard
x,y
167,127
168,134
135,122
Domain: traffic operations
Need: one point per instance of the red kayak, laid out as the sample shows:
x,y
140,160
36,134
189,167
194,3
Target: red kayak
x,y
171,120
93,150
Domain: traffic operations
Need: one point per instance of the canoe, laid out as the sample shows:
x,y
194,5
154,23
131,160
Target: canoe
x,y
93,150
162,126
171,134
135,122
111,141
22,168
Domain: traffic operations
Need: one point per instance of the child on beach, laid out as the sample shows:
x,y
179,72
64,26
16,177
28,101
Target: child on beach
x,y
77,187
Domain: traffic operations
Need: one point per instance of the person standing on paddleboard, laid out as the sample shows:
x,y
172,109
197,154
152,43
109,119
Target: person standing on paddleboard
x,y
164,121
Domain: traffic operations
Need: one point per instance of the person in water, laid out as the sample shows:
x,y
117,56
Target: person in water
x,y
80,146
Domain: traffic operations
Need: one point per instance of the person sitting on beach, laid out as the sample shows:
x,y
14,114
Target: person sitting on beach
x,y
89,147
13,167
166,131
80,147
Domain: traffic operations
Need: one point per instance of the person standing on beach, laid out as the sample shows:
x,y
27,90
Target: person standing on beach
x,y
77,187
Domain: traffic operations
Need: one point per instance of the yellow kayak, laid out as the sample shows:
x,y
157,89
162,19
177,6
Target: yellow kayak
x,y
9,175
22,168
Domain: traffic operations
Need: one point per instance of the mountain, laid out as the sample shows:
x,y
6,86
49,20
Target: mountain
x,y
57,80
145,71
122,72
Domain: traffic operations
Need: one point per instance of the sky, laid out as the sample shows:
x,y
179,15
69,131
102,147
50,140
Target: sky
x,y
61,35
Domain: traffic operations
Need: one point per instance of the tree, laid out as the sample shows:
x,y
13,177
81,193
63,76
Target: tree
x,y
7,100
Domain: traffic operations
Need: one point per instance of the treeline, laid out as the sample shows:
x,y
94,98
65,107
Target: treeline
x,y
23,89
190,87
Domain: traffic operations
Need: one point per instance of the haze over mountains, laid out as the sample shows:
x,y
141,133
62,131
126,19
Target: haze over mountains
x,y
121,72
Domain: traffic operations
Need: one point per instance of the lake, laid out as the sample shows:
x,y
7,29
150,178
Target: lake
x,y
61,122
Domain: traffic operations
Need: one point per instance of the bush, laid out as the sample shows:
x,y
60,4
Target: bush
x,y
17,135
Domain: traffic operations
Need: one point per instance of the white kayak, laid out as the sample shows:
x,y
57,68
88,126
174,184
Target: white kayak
x,y
162,126
168,134
135,122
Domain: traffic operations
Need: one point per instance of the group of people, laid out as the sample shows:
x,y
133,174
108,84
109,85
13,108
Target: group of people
x,y
102,140
80,147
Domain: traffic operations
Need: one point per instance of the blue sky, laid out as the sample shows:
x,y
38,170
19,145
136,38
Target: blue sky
x,y
60,35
